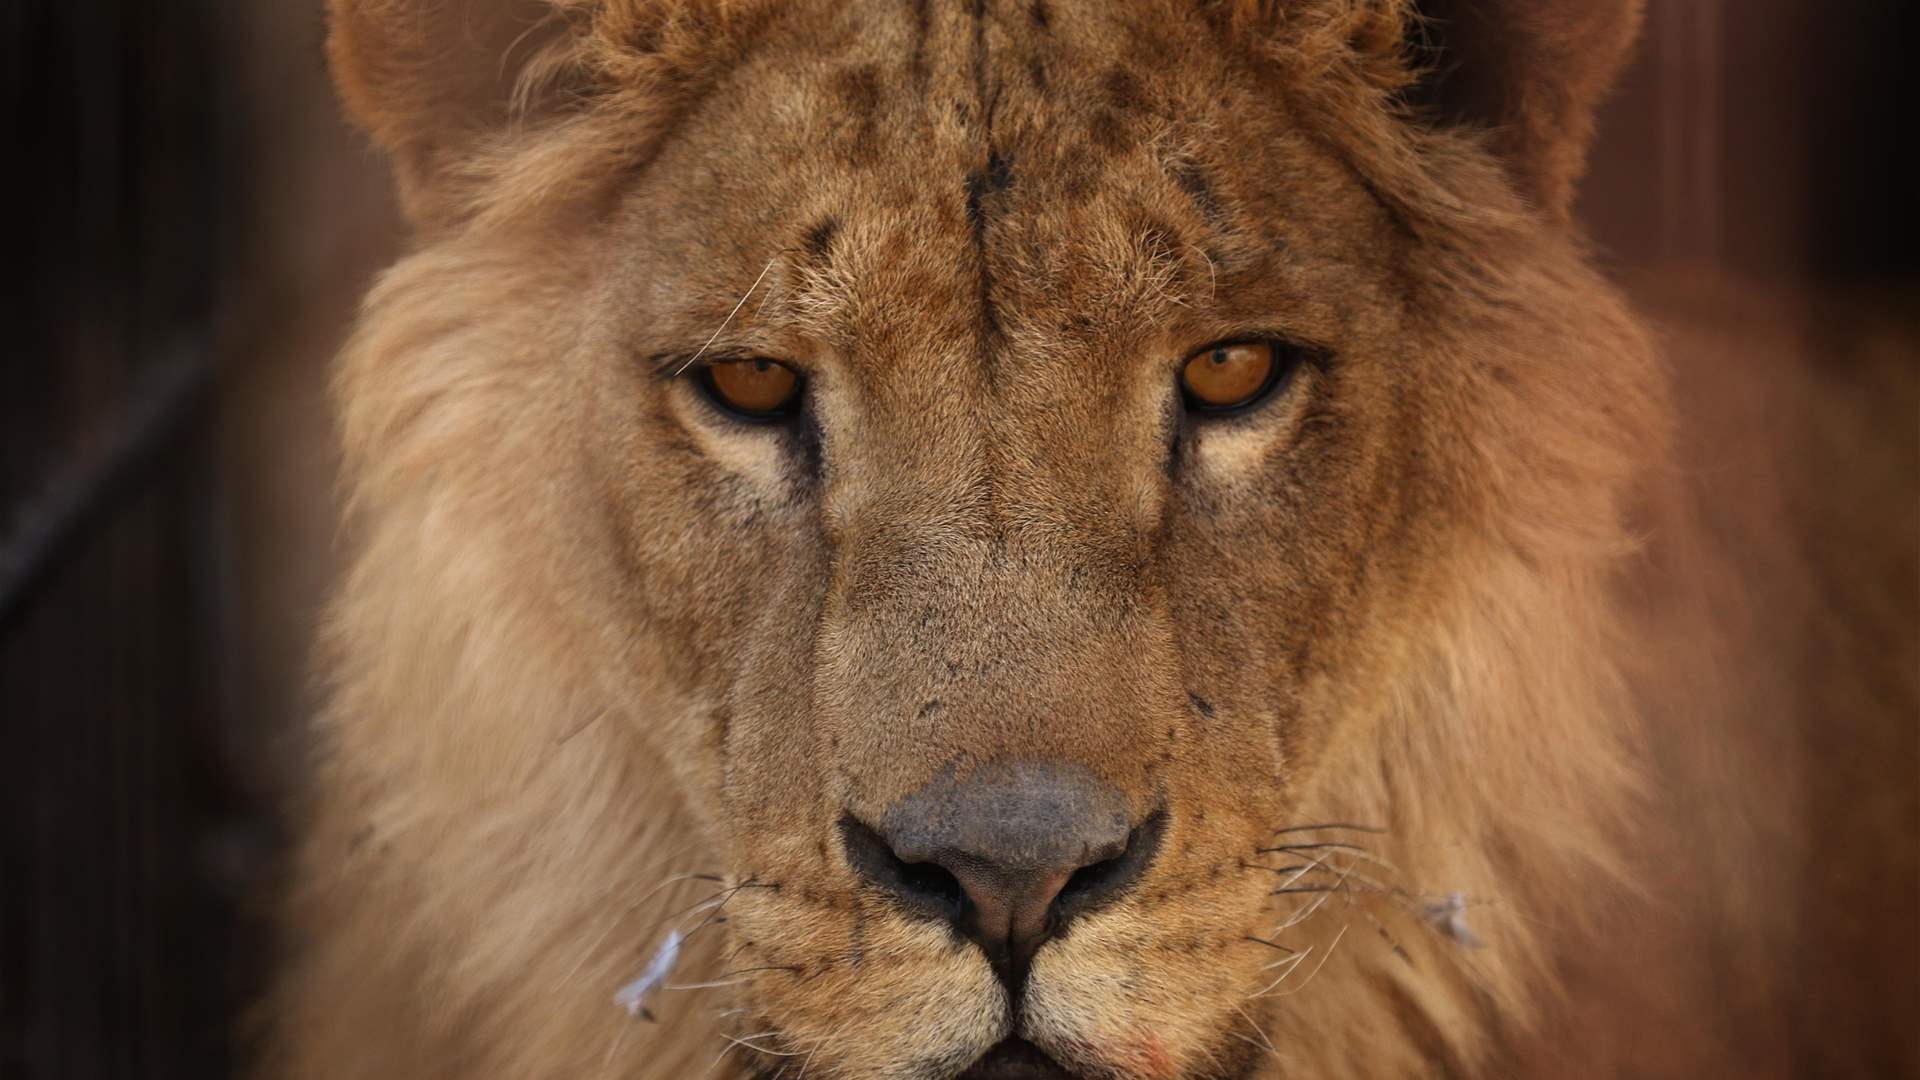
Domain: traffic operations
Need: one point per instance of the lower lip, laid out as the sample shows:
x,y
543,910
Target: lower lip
x,y
1015,1059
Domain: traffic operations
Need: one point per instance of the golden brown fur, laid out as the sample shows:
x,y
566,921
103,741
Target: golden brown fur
x,y
1453,585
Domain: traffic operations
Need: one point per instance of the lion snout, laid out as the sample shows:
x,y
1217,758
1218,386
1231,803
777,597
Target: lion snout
x,y
1006,854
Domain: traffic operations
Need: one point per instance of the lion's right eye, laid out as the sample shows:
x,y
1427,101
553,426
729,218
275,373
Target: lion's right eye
x,y
1232,375
753,389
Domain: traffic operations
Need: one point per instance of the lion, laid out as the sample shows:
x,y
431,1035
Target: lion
x,y
991,539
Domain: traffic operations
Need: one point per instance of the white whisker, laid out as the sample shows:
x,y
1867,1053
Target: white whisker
x,y
724,323
706,985
1283,976
1257,1030
1324,957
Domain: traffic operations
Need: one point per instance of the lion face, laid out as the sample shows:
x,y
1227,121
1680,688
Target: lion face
x,y
995,528
996,458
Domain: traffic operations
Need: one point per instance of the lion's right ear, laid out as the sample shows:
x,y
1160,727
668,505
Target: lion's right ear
x,y
428,78
1531,74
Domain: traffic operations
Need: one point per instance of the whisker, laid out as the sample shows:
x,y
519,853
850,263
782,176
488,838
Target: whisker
x,y
1212,1057
724,323
614,923
587,953
712,985
742,1040
1381,929
677,879
735,977
817,1044
1249,1042
1317,862
713,916
1347,826
618,1037
1301,916
1349,876
719,900
1350,849
1315,906
1271,944
717,917
1282,977
747,1041
763,967
1248,1017
1213,276
567,737
1323,845
1324,957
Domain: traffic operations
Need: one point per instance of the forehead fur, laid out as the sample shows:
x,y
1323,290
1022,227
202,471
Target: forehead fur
x,y
545,102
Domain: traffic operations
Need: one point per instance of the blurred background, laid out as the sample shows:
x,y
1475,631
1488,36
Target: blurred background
x,y
192,225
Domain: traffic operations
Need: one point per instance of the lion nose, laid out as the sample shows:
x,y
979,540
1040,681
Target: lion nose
x,y
1008,856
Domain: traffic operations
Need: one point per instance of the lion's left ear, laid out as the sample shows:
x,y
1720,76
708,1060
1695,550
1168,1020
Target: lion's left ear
x,y
445,86
428,78
1532,73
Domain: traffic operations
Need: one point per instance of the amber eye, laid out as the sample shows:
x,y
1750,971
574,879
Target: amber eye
x,y
755,389
1230,375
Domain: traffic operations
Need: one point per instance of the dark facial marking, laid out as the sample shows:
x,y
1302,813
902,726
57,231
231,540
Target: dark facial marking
x,y
819,240
917,63
858,98
996,177
999,172
807,440
1037,74
858,89
981,183
1123,91
1192,180
1109,133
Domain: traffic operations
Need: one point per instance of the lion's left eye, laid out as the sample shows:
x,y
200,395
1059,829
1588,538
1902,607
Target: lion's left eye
x,y
1234,375
753,389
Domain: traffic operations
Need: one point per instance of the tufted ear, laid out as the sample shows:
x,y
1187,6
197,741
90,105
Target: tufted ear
x,y
1531,72
428,78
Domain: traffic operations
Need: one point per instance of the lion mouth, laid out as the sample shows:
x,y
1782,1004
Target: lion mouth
x,y
1014,1058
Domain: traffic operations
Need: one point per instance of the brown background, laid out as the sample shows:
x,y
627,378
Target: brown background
x,y
194,226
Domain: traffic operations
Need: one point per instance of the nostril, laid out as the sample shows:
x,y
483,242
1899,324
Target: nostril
x,y
933,884
922,885
1089,880
1098,884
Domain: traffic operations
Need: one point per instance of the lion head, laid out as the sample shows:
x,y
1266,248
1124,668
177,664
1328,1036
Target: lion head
x,y
1038,539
